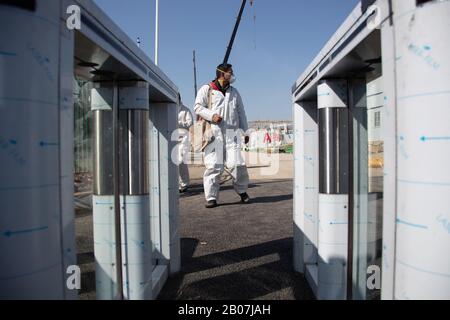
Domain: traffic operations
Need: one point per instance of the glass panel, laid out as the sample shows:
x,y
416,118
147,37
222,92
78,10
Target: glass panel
x,y
368,160
83,130
83,185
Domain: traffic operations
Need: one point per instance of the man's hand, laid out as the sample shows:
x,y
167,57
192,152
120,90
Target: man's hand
x,y
216,119
247,139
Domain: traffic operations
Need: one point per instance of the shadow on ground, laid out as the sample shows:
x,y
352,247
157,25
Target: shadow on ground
x,y
257,272
238,251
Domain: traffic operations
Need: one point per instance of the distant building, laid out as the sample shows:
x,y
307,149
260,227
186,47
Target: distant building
x,y
270,134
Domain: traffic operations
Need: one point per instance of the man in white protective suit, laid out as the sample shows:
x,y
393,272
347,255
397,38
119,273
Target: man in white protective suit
x,y
185,121
221,104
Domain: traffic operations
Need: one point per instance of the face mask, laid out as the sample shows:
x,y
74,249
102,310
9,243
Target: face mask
x,y
232,78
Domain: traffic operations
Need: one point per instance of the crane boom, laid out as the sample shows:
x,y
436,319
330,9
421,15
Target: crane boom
x,y
233,35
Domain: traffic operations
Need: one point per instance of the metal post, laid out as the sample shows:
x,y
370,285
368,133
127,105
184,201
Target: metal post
x,y
106,200
333,189
195,77
134,193
156,32
116,174
351,198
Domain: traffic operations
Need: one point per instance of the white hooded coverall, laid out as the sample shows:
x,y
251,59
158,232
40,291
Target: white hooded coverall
x,y
225,150
185,121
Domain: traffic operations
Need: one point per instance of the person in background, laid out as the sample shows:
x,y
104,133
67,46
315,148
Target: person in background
x,y
185,121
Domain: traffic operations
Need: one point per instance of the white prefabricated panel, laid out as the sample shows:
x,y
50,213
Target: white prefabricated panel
x,y
333,240
104,247
298,221
422,262
306,185
136,247
332,94
164,117
154,186
35,249
173,222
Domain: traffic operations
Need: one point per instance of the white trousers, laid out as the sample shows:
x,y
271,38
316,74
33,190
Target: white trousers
x,y
183,154
218,155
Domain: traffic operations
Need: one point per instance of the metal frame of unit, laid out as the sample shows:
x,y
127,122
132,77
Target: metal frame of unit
x,y
37,229
411,83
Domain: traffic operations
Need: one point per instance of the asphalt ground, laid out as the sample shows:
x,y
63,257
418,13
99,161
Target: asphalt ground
x,y
238,251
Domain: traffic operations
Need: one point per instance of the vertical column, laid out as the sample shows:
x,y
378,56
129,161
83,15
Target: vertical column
x,y
136,247
103,193
35,215
390,156
174,249
422,262
333,189
364,216
165,122
306,184
155,200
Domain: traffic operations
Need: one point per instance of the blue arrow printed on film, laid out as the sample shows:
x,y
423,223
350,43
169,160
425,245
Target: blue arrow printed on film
x,y
48,144
424,138
10,233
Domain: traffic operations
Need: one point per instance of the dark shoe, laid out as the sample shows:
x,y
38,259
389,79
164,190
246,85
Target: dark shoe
x,y
211,204
183,190
245,198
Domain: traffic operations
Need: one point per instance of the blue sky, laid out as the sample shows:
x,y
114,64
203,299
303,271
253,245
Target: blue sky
x,y
268,55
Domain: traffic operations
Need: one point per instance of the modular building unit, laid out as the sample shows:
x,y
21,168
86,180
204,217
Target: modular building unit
x,y
135,192
372,148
